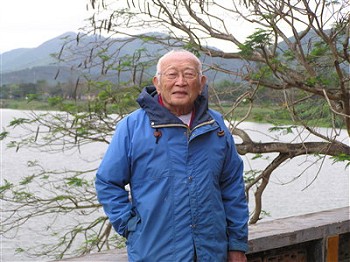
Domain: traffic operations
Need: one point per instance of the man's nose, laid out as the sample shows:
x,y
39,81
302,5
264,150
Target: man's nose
x,y
181,78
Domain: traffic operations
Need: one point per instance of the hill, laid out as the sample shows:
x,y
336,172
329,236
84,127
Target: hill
x,y
24,58
28,65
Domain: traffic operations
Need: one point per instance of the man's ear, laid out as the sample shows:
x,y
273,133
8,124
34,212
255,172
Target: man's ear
x,y
155,82
203,82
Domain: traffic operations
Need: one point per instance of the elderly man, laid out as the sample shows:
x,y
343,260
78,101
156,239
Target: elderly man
x,y
186,178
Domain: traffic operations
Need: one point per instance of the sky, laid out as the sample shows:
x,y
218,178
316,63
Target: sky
x,y
29,23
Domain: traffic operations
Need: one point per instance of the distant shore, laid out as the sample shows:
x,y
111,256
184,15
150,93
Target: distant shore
x,y
274,115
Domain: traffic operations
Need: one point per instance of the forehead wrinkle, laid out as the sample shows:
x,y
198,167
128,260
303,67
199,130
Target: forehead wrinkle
x,y
176,64
181,61
179,69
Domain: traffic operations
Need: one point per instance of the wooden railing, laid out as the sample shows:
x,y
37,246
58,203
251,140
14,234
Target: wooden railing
x,y
321,236
317,237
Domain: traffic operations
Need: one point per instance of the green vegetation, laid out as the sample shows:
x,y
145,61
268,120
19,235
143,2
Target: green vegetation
x,y
226,96
260,113
22,104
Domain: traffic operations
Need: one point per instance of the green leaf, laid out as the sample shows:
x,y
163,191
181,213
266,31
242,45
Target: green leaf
x,y
5,186
19,250
285,129
19,121
27,180
76,181
19,196
60,198
341,158
3,135
257,156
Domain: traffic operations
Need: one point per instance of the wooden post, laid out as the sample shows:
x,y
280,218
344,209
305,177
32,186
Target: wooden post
x,y
332,248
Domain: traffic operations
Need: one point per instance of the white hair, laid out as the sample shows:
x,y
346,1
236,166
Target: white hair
x,y
160,61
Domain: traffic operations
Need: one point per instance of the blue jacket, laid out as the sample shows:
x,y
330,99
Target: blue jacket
x,y
187,185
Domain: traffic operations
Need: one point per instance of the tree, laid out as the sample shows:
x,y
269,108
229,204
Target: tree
x,y
49,196
299,51
310,67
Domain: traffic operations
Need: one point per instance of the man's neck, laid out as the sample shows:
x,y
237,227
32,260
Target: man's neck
x,y
178,110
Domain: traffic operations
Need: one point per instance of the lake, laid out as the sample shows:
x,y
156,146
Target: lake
x,y
298,187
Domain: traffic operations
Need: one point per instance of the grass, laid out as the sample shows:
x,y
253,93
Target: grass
x,y
258,114
26,105
36,105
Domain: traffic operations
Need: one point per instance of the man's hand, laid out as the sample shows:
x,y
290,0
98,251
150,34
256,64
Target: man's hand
x,y
236,256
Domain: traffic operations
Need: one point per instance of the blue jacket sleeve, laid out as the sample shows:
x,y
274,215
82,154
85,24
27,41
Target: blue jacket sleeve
x,y
234,198
112,176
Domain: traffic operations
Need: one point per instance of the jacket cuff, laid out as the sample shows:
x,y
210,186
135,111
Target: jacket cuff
x,y
238,246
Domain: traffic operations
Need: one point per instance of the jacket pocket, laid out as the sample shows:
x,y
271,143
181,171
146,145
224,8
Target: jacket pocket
x,y
132,226
132,223
131,232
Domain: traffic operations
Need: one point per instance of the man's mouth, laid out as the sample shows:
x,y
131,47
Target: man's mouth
x,y
183,93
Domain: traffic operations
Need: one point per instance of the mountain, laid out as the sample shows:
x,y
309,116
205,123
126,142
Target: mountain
x,y
24,58
28,65
91,55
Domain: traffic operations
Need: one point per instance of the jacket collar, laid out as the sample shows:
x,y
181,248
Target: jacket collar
x,y
159,115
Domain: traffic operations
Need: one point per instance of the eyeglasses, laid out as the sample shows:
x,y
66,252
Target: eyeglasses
x,y
173,74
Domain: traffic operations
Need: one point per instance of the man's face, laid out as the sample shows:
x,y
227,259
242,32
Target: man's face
x,y
179,82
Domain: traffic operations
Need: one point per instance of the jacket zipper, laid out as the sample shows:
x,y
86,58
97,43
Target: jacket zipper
x,y
183,125
189,131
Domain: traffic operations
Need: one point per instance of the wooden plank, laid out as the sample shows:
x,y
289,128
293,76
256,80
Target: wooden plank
x,y
298,229
332,248
272,234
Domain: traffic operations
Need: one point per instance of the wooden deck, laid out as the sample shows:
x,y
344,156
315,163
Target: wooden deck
x,y
270,234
